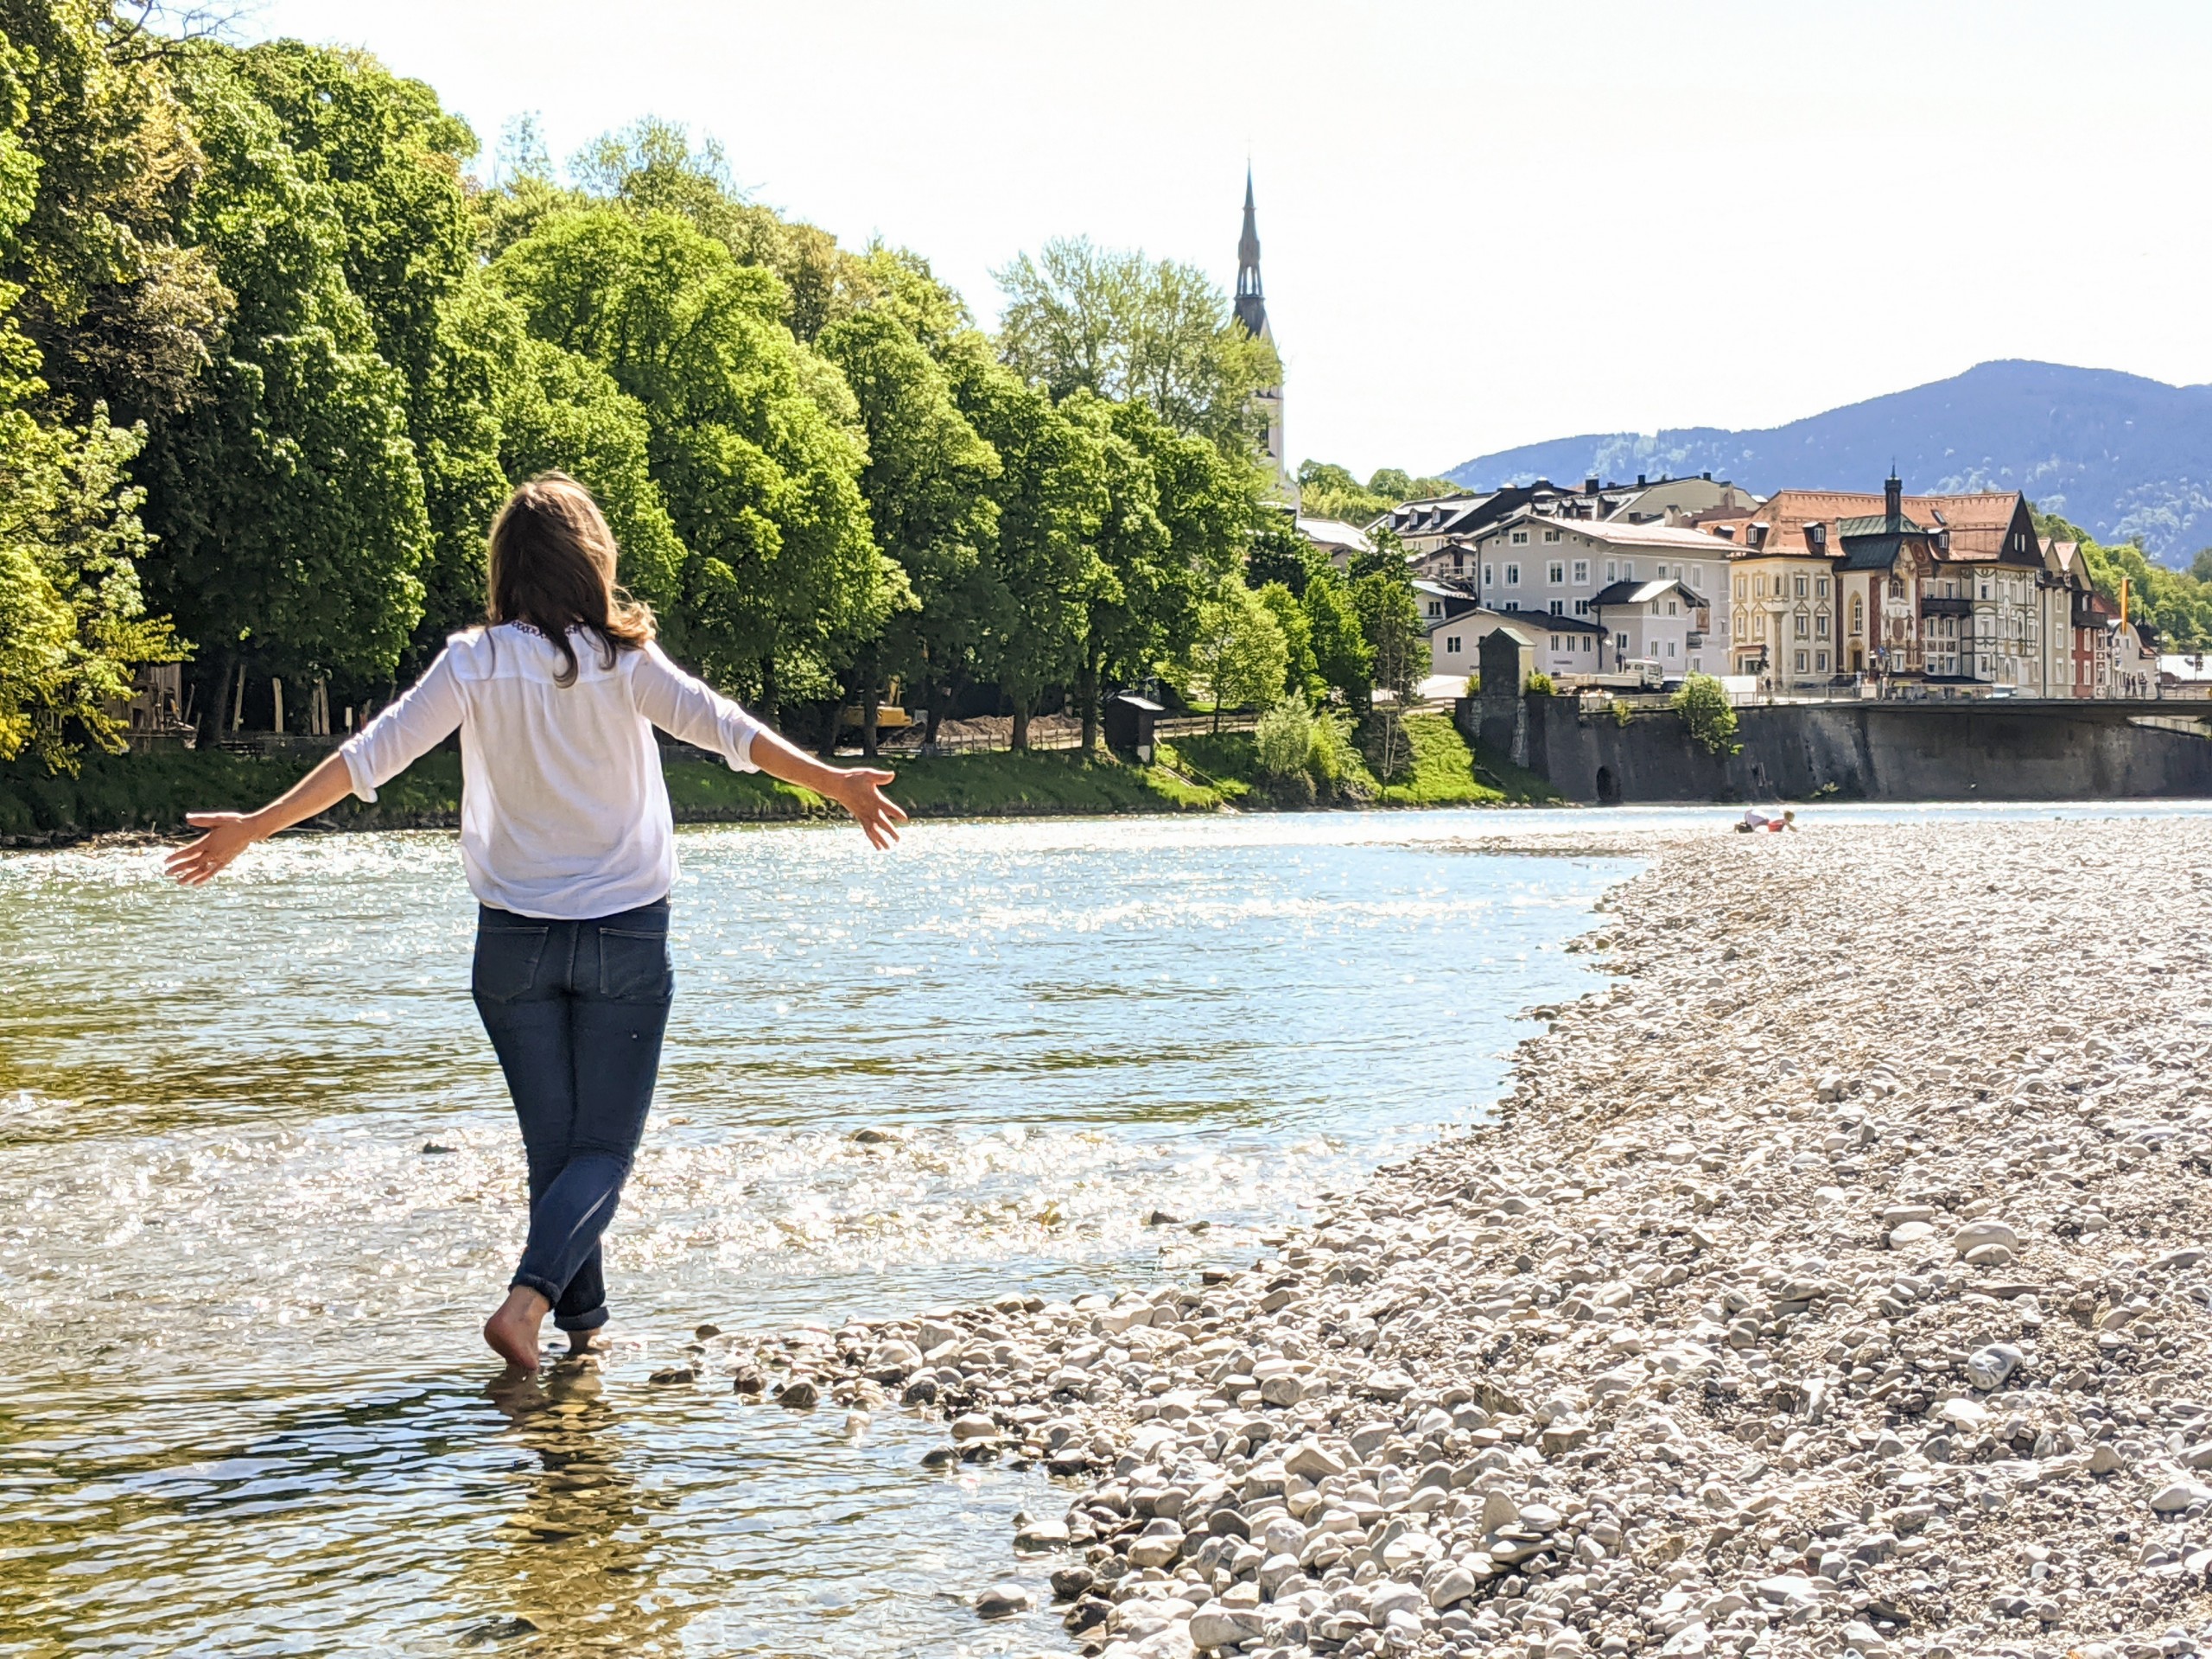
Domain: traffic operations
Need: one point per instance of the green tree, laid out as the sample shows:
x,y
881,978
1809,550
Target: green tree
x,y
1051,497
1133,330
927,481
1389,620
73,623
1278,554
1236,652
1702,702
2175,602
1135,597
1342,659
755,443
1328,490
391,159
286,496
1301,669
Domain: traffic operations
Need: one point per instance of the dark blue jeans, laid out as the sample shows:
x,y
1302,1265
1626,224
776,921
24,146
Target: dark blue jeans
x,y
576,1011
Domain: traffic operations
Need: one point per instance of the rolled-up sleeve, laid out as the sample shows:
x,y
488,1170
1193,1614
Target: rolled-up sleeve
x,y
429,713
691,710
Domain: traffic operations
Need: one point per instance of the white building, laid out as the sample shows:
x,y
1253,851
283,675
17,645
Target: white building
x,y
1559,567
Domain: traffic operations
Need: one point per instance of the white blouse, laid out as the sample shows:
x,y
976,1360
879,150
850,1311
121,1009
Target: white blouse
x,y
564,811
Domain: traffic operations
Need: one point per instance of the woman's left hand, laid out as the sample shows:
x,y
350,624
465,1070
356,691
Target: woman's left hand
x,y
860,791
228,834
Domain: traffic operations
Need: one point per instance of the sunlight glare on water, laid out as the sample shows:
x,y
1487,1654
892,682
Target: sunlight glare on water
x,y
259,1182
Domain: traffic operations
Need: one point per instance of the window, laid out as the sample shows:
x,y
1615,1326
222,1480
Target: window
x,y
1820,661
1582,607
1628,570
1436,607
1670,647
1555,573
1558,607
1513,576
1697,577
1458,562
1451,644
1620,642
1739,589
1820,624
1804,625
1554,642
1859,614
1551,535
1985,590
1520,538
1820,587
1586,644
1801,587
1582,571
1800,662
1612,570
1674,607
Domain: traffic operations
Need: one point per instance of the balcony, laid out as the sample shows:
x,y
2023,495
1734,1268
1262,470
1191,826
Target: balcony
x,y
1937,605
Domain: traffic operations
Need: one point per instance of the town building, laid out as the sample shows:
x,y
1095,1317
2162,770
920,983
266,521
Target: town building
x,y
1440,525
1562,566
1782,611
1561,646
1660,621
1951,591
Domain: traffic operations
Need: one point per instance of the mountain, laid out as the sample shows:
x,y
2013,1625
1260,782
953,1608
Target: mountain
x,y
2121,456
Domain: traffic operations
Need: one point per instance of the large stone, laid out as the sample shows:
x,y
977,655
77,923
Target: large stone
x,y
1976,1234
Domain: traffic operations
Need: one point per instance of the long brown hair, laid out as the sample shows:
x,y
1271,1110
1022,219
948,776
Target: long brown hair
x,y
551,564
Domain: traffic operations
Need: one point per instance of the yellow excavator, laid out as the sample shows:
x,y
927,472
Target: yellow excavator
x,y
889,715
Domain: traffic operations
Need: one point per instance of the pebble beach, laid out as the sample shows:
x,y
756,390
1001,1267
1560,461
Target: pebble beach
x,y
1833,1279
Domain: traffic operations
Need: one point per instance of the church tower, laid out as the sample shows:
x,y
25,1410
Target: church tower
x,y
1252,312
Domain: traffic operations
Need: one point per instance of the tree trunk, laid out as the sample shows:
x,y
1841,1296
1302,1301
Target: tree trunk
x,y
1216,711
771,710
212,712
238,700
1020,741
871,700
1087,690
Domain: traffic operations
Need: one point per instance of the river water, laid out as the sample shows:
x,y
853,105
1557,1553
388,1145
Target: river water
x,y
259,1184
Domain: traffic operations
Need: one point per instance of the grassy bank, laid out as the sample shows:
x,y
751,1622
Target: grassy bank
x,y
1443,771
153,791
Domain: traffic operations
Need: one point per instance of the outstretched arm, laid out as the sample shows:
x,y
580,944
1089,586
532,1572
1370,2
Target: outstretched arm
x,y
230,834
688,708
377,752
859,790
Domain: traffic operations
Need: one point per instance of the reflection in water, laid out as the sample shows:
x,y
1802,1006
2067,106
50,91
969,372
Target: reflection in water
x,y
259,1182
573,1565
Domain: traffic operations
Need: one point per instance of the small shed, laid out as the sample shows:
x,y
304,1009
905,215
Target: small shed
x,y
1129,724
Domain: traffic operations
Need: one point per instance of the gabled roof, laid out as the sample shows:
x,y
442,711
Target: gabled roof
x,y
1615,533
1334,532
1977,523
1642,593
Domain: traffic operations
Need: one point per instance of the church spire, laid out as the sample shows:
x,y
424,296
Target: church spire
x,y
1251,303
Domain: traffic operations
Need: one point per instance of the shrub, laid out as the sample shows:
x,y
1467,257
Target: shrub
x,y
1540,685
1330,756
1702,702
1283,740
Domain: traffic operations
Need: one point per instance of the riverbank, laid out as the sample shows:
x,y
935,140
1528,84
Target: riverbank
x,y
152,792
1835,1282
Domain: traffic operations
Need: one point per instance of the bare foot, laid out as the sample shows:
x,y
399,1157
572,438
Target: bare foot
x,y
586,1342
512,1331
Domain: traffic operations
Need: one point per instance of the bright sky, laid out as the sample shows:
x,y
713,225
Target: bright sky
x,y
1485,224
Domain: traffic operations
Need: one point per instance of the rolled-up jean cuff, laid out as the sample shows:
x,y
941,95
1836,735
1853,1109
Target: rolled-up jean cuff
x,y
544,1287
590,1321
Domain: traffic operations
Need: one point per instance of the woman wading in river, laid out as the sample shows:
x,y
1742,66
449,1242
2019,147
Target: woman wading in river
x,y
569,849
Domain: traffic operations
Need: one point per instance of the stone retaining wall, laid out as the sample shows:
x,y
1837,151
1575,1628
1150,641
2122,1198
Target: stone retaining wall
x,y
1875,751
